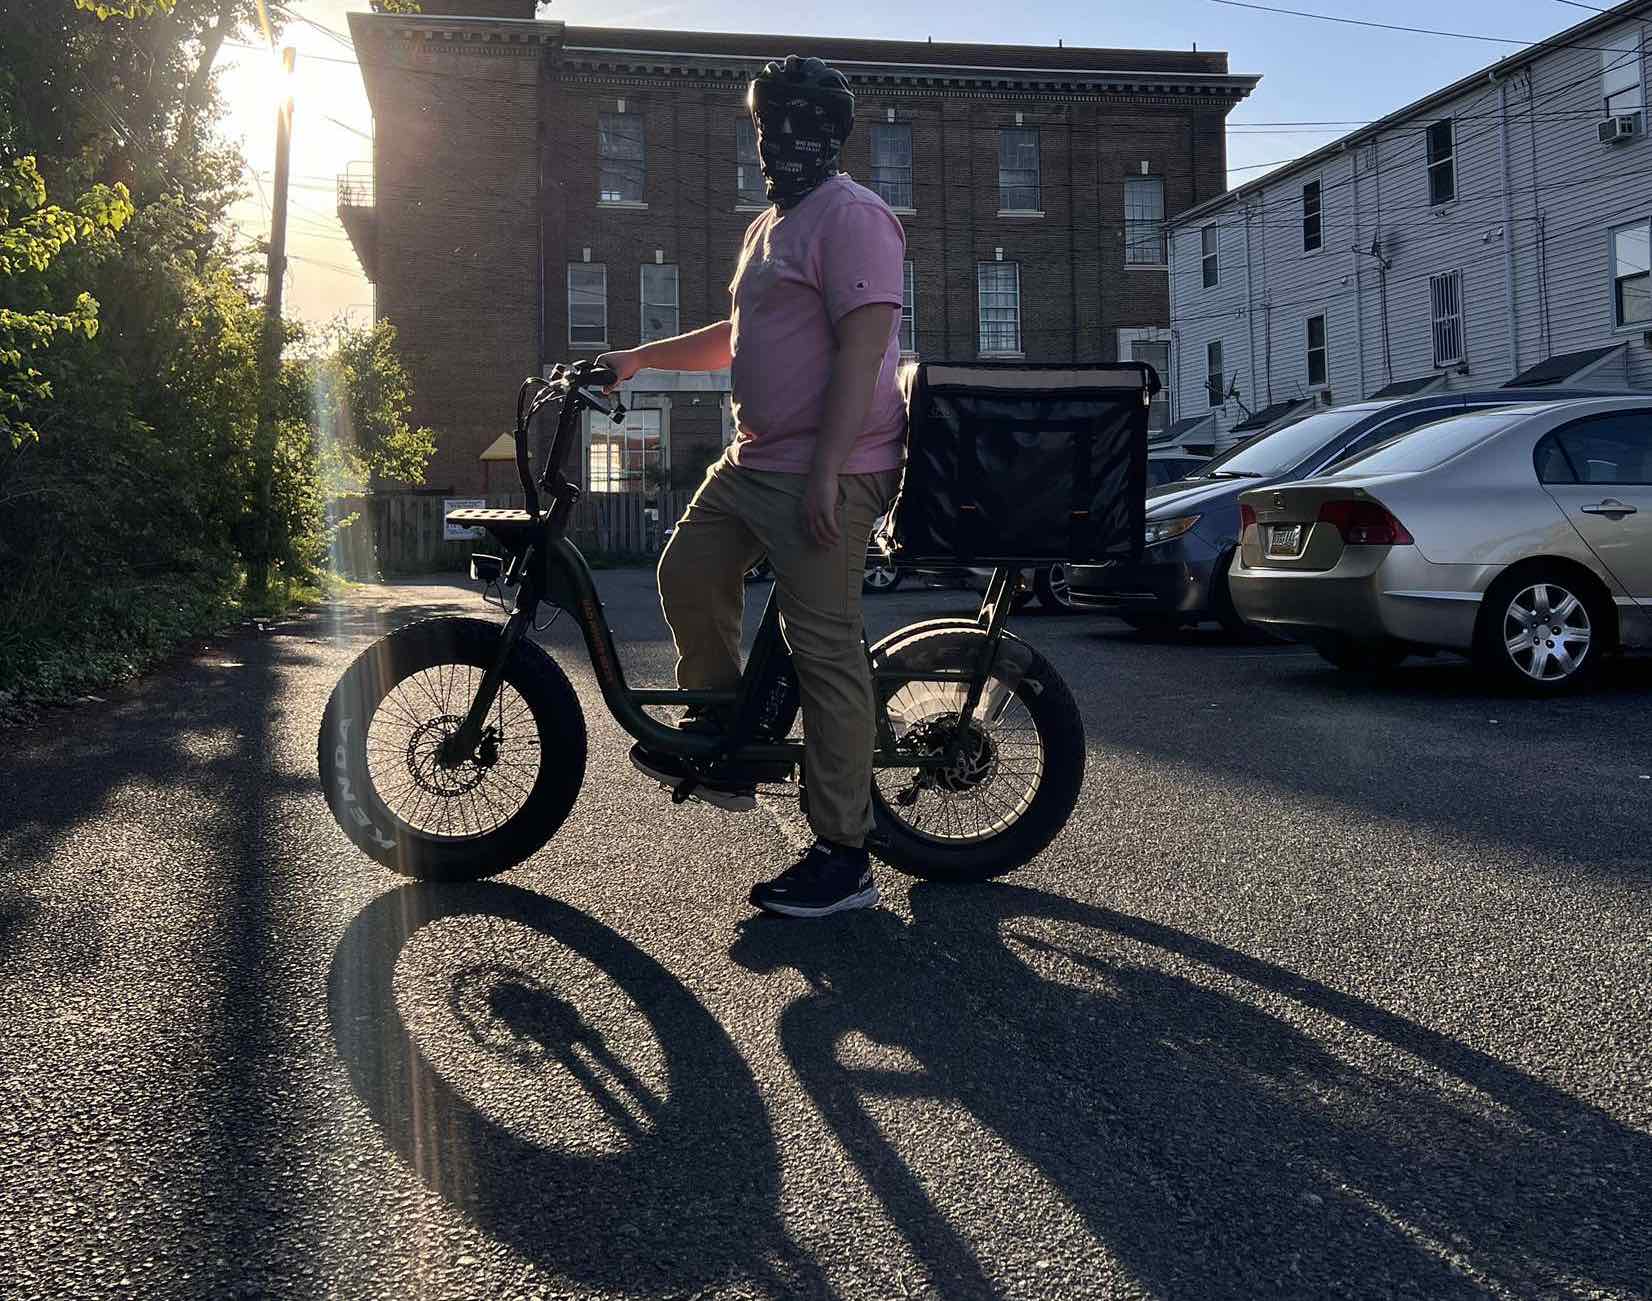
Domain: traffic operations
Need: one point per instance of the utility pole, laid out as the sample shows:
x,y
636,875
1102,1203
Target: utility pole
x,y
269,353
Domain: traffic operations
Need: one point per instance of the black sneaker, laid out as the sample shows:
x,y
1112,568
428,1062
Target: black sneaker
x,y
828,879
671,772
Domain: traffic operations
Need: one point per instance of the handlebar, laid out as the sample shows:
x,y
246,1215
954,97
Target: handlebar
x,y
575,386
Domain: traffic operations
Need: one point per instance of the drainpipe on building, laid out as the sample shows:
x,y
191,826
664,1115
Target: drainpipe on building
x,y
1382,261
1508,224
1359,286
1172,381
1250,320
1543,348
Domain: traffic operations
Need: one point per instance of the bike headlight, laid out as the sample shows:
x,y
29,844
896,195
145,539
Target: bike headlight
x,y
1162,530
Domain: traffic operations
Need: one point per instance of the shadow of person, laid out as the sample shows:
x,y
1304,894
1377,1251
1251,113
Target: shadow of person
x,y
1185,1099
685,1194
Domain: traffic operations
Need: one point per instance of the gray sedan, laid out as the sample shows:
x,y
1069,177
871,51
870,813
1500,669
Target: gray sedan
x,y
1521,537
1193,525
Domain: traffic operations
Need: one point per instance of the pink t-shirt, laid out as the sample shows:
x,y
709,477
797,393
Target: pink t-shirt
x,y
801,272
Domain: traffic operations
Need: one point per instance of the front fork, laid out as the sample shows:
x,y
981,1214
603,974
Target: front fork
x,y
463,744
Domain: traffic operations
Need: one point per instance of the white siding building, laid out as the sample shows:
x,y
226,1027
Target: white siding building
x,y
1488,231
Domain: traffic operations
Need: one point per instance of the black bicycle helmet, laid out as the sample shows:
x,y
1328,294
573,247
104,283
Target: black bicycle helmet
x,y
803,111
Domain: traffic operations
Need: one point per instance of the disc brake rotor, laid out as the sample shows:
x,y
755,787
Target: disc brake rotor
x,y
424,762
976,760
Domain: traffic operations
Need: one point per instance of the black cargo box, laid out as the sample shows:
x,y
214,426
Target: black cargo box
x,y
1011,464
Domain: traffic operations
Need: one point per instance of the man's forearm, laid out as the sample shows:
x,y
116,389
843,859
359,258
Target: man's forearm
x,y
703,349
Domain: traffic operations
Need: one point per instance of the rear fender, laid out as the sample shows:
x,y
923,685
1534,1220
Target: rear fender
x,y
953,644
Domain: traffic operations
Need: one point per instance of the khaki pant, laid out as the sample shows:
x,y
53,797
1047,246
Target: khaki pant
x,y
737,516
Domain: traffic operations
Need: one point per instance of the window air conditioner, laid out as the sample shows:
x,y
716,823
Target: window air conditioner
x,y
1625,126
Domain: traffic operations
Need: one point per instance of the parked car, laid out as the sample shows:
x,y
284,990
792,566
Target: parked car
x,y
1170,465
1193,523
1521,537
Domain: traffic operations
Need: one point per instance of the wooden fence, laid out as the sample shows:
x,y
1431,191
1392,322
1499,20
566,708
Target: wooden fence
x,y
402,532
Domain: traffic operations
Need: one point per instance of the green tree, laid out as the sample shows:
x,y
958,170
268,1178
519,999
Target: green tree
x,y
363,408
128,9
32,234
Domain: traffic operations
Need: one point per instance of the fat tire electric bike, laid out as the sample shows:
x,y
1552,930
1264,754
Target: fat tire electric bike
x,y
453,748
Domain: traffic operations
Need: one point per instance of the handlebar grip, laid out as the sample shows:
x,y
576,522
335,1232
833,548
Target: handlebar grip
x,y
599,377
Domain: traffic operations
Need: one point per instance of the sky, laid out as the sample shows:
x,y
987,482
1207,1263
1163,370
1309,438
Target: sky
x,y
1329,74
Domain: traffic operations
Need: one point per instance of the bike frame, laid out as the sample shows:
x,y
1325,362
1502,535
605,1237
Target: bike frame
x,y
546,567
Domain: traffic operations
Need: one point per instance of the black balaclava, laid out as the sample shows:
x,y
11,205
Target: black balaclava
x,y
803,111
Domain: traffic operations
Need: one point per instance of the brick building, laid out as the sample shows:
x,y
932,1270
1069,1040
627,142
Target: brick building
x,y
540,191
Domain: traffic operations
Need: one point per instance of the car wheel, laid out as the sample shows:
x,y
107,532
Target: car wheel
x,y
1221,602
1055,593
880,576
1362,656
1541,631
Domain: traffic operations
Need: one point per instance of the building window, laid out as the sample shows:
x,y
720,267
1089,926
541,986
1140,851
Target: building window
x,y
1310,217
1214,389
587,304
1018,169
1442,165
1632,274
999,290
892,163
628,457
619,157
1620,75
909,313
1445,297
1156,353
1208,260
1144,221
1316,351
748,172
659,302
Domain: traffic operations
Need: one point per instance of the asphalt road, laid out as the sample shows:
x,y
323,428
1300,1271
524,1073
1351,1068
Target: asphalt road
x,y
1333,987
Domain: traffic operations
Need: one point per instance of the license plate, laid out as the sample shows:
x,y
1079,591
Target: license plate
x,y
1285,540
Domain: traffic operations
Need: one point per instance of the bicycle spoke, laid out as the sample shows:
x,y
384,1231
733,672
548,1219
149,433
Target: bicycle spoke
x,y
404,743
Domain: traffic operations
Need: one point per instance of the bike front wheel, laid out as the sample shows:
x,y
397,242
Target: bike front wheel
x,y
1016,777
380,752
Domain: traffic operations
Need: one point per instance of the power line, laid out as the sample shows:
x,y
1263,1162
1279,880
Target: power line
x,y
1401,27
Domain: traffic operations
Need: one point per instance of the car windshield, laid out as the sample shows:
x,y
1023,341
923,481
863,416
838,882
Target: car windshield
x,y
1268,455
1430,445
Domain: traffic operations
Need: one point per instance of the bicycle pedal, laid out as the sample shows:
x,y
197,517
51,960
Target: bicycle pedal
x,y
683,791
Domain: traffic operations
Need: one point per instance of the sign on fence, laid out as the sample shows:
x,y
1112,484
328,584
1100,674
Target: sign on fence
x,y
459,532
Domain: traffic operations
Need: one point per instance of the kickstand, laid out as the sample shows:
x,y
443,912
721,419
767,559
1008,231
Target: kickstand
x,y
684,790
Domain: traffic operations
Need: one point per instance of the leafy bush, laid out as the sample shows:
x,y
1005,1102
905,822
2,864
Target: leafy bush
x,y
130,327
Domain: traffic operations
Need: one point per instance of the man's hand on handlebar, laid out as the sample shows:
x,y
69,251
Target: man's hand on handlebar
x,y
624,364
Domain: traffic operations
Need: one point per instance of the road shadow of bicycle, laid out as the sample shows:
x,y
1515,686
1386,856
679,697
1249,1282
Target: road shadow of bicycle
x,y
686,1200
1213,1148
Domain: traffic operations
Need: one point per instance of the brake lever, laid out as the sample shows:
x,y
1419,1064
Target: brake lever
x,y
615,410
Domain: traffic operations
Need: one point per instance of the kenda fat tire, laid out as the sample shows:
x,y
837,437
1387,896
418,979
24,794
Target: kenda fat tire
x,y
347,780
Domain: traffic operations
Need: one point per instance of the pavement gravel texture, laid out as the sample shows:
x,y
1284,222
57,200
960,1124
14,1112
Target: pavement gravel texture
x,y
1333,987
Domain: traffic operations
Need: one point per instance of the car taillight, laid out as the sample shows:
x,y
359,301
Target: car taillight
x,y
1247,516
1364,523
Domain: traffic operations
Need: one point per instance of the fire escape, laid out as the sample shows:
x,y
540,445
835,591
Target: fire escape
x,y
358,215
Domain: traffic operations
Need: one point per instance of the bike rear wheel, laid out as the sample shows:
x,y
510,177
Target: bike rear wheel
x,y
382,770
1016,779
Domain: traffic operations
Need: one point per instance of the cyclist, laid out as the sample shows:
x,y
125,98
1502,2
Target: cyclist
x,y
812,344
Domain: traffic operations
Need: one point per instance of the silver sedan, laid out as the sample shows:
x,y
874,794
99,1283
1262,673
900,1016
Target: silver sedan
x,y
1521,537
